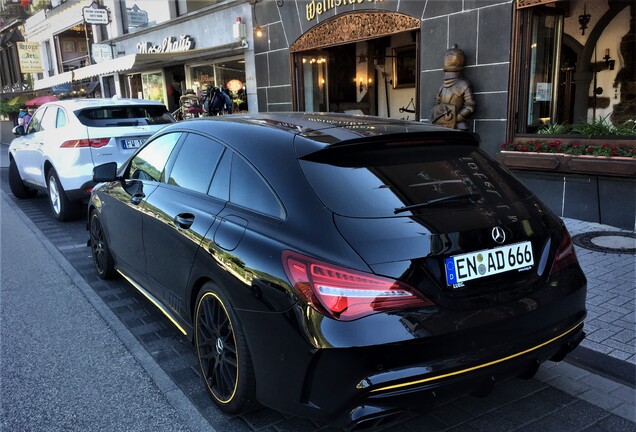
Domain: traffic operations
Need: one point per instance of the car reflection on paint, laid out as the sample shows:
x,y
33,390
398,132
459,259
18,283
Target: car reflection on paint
x,y
337,267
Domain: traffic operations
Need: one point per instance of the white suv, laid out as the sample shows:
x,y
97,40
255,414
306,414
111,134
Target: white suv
x,y
65,139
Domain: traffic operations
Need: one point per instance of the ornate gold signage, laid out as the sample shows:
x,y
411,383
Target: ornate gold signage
x,y
317,7
353,27
528,3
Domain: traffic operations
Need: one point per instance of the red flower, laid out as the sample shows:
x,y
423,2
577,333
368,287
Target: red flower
x,y
590,150
537,147
613,152
605,146
558,142
523,148
576,145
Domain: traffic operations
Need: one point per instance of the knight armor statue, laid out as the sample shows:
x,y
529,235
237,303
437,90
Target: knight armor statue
x,y
454,102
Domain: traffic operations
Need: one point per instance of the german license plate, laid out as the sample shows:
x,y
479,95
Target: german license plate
x,y
132,143
488,262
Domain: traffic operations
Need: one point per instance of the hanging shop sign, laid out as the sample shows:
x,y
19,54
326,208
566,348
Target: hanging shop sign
x,y
29,56
136,17
315,8
95,14
184,43
101,52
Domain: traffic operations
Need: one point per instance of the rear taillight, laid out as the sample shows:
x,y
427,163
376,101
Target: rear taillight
x,y
347,294
565,255
94,143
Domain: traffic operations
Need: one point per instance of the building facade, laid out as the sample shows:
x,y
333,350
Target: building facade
x,y
538,69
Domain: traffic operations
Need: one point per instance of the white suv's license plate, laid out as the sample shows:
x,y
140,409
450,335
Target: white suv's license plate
x,y
487,262
132,143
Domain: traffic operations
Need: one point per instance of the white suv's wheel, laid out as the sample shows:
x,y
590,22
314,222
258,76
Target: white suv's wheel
x,y
63,209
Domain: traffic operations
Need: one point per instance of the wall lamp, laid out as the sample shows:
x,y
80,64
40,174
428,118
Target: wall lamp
x,y
608,60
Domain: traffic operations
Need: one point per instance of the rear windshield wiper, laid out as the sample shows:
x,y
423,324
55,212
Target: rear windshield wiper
x,y
458,197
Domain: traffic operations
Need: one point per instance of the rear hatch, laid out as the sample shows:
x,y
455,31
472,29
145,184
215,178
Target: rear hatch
x,y
438,214
117,131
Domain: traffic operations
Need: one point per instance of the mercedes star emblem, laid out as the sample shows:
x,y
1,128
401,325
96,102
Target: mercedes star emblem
x,y
498,235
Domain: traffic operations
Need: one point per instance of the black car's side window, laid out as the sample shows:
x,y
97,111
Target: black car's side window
x,y
220,187
150,162
248,189
195,163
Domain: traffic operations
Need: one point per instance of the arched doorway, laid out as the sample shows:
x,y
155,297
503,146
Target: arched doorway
x,y
364,63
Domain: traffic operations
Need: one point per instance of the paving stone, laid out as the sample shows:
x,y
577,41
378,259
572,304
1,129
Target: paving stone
x,y
580,414
425,423
601,399
626,410
602,384
615,423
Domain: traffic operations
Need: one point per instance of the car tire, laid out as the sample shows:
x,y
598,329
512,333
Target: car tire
x,y
102,258
18,189
222,352
63,208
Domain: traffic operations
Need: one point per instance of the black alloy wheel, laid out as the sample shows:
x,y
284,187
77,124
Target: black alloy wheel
x,y
18,189
223,356
102,258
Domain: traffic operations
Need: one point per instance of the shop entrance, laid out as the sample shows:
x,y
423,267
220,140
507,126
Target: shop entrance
x,y
373,73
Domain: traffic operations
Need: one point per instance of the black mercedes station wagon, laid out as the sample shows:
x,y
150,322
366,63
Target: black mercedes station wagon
x,y
337,267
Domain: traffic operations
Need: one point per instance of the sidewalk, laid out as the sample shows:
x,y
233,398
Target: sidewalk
x,y
66,360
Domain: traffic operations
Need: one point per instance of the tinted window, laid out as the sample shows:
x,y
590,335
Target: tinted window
x,y
366,184
220,186
150,162
126,115
248,189
195,163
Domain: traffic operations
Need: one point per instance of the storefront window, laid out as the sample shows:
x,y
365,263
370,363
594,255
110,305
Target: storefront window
x,y
544,70
229,74
152,84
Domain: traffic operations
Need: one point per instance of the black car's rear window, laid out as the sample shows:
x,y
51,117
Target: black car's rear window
x,y
380,183
126,115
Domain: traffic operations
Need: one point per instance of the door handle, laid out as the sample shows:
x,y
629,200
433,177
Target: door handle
x,y
184,220
137,198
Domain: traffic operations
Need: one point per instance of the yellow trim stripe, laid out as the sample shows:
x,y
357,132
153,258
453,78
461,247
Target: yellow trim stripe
x,y
157,304
481,366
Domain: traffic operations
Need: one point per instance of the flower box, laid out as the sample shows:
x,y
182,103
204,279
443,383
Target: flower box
x,y
581,164
550,160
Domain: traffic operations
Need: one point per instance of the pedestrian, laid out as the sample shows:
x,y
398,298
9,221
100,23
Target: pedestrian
x,y
27,117
227,99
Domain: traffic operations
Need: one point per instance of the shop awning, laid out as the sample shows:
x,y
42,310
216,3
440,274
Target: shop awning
x,y
138,62
54,80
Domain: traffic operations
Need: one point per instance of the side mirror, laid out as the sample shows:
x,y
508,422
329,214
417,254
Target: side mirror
x,y
105,172
18,130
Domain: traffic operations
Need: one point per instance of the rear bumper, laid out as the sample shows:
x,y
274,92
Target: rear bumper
x,y
357,374
383,402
